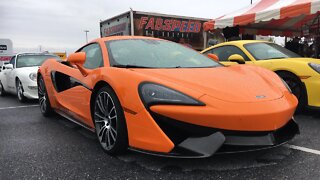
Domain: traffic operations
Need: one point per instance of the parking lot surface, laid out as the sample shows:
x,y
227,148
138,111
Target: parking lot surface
x,y
35,147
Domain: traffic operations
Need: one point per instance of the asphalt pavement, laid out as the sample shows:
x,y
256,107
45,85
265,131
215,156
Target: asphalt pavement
x,y
35,147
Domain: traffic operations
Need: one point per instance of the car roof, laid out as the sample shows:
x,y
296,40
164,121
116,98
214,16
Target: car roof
x,y
241,42
36,53
111,38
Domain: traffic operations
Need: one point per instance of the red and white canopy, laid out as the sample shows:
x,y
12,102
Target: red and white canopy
x,y
270,17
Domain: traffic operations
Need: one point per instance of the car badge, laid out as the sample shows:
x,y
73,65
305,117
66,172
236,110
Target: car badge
x,y
260,96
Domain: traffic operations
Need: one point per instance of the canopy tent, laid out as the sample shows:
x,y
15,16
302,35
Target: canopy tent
x,y
270,17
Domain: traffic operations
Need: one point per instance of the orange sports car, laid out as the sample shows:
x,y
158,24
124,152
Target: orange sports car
x,y
159,97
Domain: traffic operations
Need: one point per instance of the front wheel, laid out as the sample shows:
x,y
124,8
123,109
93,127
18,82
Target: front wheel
x,y
296,87
44,102
110,122
20,91
2,91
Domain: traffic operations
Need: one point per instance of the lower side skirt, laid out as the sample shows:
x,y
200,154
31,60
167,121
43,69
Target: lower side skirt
x,y
74,120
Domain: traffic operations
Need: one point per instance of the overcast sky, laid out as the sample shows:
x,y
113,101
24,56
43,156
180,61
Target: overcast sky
x,y
58,25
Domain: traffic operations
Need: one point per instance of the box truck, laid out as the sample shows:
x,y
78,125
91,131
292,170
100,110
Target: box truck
x,y
180,29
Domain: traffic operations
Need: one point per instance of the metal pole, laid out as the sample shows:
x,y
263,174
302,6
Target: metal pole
x,y
251,1
131,22
86,31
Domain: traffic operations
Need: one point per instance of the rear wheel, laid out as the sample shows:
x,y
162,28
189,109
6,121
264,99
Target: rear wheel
x,y
110,122
296,87
2,91
20,91
44,102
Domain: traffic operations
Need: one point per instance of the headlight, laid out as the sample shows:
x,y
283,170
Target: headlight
x,y
33,76
157,94
315,67
286,85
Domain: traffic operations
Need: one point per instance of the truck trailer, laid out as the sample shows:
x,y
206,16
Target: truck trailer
x,y
180,29
6,51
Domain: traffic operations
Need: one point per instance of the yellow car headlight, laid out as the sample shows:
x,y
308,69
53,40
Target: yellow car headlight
x,y
315,67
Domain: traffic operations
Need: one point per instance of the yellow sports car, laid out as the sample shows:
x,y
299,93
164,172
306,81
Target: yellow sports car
x,y
301,74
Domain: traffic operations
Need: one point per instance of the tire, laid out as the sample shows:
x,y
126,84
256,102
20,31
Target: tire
x,y
296,87
2,91
19,89
45,106
109,122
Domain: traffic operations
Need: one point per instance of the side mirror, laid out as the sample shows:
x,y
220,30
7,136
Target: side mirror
x,y
78,59
8,66
213,57
237,58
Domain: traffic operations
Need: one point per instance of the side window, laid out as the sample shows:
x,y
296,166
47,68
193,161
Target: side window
x,y
13,61
225,52
209,52
93,56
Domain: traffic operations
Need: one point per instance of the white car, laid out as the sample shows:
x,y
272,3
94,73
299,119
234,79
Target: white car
x,y
19,76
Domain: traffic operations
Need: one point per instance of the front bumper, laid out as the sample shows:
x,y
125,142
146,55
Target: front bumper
x,y
169,130
30,89
193,141
312,85
254,117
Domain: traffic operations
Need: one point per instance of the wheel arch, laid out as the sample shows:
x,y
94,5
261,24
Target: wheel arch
x,y
38,74
19,74
304,88
16,80
95,89
288,72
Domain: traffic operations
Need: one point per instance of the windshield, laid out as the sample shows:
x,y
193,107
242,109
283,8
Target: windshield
x,y
26,60
147,53
265,51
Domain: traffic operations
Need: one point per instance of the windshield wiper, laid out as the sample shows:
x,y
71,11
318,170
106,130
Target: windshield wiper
x,y
128,66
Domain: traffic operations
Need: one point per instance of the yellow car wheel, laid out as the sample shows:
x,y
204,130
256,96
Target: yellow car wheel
x,y
296,87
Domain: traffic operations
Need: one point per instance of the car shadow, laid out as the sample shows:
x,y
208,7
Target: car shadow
x,y
218,162
314,113
13,98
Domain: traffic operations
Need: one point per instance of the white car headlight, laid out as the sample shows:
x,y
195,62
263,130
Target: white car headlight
x,y
33,76
315,67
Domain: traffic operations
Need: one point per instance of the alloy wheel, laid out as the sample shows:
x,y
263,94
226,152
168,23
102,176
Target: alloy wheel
x,y
20,91
1,90
105,118
294,86
42,96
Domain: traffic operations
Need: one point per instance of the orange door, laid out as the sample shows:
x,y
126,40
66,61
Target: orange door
x,y
75,99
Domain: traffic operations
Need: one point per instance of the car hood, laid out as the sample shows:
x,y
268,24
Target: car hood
x,y
233,84
33,69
